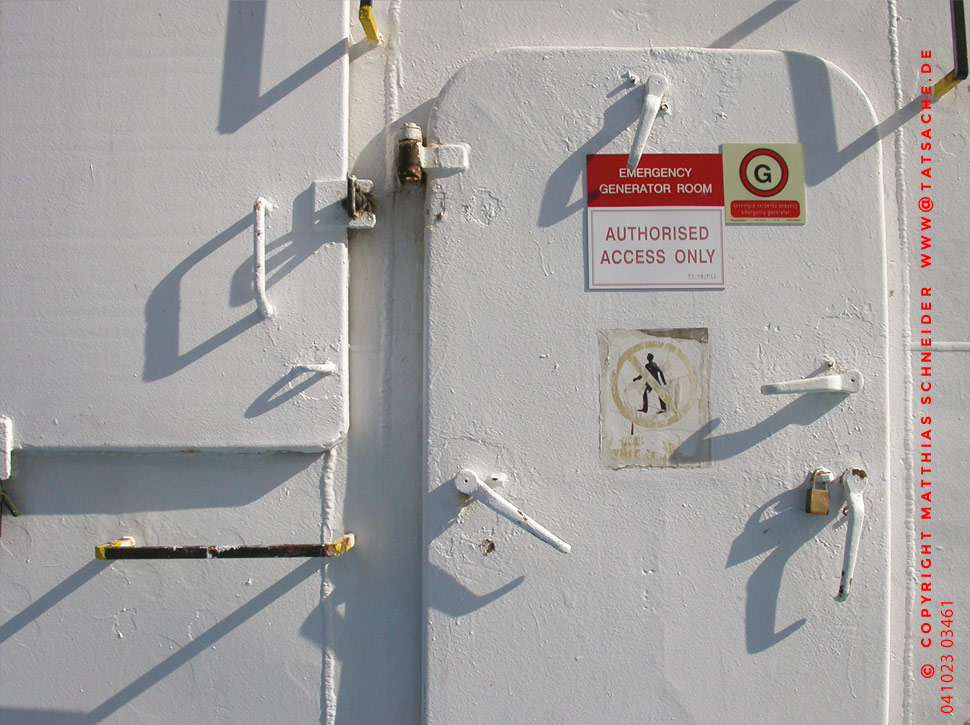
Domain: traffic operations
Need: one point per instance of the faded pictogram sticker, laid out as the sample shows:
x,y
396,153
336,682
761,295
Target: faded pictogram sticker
x,y
654,397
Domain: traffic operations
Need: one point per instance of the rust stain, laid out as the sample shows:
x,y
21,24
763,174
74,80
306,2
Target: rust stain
x,y
409,169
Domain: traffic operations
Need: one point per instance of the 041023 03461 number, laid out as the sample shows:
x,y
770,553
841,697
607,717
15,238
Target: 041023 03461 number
x,y
946,660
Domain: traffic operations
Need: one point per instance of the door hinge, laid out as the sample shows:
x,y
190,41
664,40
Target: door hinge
x,y
414,158
344,203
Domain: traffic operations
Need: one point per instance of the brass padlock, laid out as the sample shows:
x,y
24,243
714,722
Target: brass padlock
x,y
817,500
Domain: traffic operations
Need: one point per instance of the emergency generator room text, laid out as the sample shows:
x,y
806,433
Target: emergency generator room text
x,y
658,224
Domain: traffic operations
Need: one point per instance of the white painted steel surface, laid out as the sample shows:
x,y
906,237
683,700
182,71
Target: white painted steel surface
x,y
134,138
150,642
694,594
128,260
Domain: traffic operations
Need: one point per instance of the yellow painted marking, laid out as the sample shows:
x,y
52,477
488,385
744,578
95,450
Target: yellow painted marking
x,y
124,542
367,21
945,85
342,545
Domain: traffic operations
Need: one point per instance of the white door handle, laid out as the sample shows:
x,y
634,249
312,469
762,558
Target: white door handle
x,y
468,482
854,482
656,87
849,382
263,304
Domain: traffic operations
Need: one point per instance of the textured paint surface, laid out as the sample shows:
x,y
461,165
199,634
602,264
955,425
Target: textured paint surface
x,y
145,642
677,626
136,164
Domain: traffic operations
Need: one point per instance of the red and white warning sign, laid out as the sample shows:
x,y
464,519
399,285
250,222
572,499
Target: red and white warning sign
x,y
764,183
659,225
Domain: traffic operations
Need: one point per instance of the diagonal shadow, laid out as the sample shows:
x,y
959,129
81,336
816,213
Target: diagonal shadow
x,y
279,392
803,411
242,67
201,643
50,599
758,20
453,598
814,110
444,592
815,120
283,255
163,669
163,307
617,117
163,314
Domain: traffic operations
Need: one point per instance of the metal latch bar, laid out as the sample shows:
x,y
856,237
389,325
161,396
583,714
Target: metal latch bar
x,y
125,548
343,204
961,63
365,14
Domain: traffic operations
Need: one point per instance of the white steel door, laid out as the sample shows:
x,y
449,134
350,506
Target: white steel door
x,y
129,288
697,589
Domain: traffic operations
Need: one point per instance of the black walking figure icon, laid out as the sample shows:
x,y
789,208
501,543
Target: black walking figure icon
x,y
657,375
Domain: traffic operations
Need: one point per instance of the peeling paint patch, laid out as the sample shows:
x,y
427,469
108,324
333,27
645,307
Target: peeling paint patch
x,y
483,209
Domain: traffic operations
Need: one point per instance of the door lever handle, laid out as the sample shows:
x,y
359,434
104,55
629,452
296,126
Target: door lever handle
x,y
468,482
263,304
854,483
656,86
848,382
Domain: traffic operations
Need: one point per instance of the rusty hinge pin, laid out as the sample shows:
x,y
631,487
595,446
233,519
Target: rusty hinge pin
x,y
409,169
8,502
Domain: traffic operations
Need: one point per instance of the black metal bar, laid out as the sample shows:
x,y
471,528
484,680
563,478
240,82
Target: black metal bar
x,y
125,549
961,63
958,18
217,552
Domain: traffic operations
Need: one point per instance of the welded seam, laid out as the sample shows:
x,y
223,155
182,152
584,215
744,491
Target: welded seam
x,y
908,458
393,79
328,495
943,346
